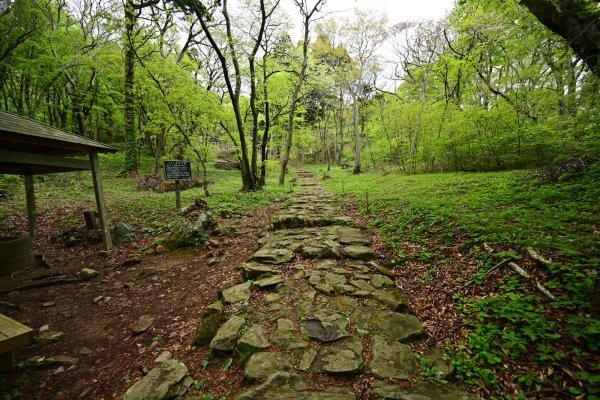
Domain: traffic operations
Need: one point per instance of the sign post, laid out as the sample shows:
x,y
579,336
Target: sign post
x,y
176,170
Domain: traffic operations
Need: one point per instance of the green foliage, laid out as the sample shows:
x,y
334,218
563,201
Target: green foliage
x,y
496,208
204,364
227,364
149,213
509,210
585,329
198,385
427,370
11,391
521,319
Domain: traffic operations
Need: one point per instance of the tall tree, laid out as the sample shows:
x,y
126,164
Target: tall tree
x,y
133,11
363,36
229,58
307,14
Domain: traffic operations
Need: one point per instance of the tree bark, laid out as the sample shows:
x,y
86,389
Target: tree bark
x,y
131,148
357,143
577,21
295,93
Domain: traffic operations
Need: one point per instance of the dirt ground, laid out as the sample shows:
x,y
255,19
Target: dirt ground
x,y
97,316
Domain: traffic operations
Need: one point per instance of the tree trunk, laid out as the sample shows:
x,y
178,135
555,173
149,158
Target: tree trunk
x,y
357,142
294,99
131,148
266,132
576,21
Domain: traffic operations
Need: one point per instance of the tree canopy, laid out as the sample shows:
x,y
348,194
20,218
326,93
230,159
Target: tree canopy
x,y
488,87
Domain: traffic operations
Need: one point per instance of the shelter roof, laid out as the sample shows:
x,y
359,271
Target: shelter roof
x,y
31,147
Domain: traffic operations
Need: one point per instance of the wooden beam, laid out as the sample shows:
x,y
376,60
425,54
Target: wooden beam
x,y
99,191
31,211
17,157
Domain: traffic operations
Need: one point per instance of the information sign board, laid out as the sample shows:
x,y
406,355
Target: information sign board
x,y
177,170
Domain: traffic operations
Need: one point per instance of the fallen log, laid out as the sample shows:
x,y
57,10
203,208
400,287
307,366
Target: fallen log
x,y
538,258
44,283
535,282
490,271
524,274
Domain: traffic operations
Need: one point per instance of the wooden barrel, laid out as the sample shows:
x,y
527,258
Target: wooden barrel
x,y
15,254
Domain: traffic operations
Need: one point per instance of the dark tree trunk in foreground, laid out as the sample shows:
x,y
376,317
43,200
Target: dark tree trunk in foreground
x,y
577,21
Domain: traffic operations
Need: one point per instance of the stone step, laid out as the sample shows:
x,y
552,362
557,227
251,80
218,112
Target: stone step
x,y
319,317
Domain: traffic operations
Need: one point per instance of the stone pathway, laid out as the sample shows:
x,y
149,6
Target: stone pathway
x,y
315,302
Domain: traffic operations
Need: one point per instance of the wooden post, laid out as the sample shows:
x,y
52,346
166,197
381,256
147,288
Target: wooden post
x,y
177,195
31,212
99,192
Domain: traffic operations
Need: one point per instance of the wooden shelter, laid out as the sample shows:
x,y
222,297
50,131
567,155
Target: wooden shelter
x,y
28,148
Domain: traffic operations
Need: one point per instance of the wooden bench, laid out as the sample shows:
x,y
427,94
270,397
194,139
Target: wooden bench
x,y
13,334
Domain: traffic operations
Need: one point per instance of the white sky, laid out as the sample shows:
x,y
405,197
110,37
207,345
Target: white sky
x,y
396,11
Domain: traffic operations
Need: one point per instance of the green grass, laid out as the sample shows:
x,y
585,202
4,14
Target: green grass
x,y
139,208
508,324
497,208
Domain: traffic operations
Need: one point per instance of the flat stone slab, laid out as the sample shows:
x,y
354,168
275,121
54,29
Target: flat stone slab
x,y
325,328
288,340
320,249
287,336
253,339
334,279
284,324
391,360
227,335
362,285
391,298
343,358
87,273
348,236
326,265
252,270
261,365
273,256
143,324
169,380
285,386
382,270
325,289
49,337
237,293
400,327
316,277
382,281
269,282
421,391
359,252
442,368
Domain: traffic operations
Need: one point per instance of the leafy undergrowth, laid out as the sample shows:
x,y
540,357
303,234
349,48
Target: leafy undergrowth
x,y
504,337
134,280
148,213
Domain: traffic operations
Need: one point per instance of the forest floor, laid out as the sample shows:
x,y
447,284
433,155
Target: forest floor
x,y
433,255
97,316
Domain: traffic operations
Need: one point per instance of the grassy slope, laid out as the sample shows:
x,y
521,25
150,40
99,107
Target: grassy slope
x,y
142,209
507,326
